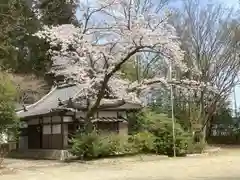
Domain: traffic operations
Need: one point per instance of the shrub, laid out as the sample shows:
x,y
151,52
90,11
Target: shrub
x,y
8,118
196,147
143,142
4,148
161,127
136,122
83,144
156,138
7,111
98,144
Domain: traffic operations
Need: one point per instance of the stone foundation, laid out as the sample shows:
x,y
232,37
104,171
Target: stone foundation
x,y
47,154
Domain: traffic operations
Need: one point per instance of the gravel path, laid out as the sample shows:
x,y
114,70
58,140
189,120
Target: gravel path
x,y
224,166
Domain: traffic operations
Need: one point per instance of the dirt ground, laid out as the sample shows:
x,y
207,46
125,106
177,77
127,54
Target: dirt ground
x,y
221,166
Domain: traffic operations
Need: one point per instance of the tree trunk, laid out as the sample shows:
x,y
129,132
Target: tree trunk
x,y
203,118
204,134
89,127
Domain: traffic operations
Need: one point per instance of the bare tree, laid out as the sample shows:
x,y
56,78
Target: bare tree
x,y
29,88
210,42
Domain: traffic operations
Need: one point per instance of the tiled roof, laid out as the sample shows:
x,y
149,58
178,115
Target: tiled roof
x,y
106,119
50,101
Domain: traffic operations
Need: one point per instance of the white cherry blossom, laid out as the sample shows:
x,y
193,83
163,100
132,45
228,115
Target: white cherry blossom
x,y
92,55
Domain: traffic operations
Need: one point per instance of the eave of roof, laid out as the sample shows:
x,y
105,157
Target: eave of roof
x,y
50,102
105,119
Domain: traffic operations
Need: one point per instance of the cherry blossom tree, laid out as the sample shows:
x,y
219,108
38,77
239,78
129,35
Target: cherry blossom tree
x,y
93,53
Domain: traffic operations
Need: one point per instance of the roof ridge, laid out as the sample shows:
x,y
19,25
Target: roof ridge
x,y
40,100
65,85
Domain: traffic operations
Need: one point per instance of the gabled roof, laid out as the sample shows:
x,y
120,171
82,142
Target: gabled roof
x,y
50,102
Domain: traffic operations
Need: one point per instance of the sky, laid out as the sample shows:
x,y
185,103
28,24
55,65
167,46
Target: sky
x,y
230,2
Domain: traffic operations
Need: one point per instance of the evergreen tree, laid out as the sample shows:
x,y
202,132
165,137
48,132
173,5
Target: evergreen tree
x,y
19,50
57,12
8,22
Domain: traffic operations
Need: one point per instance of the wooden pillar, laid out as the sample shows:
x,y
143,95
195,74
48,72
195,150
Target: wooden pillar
x,y
62,130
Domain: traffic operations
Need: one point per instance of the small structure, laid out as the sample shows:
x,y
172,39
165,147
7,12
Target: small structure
x,y
51,121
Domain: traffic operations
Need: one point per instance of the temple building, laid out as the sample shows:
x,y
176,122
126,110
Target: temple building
x,y
52,121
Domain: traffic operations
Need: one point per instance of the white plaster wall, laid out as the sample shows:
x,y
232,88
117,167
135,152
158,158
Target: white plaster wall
x,y
107,114
56,119
46,119
67,119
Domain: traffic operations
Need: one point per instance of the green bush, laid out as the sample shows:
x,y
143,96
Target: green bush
x,y
8,118
196,147
161,127
143,142
136,122
157,137
83,144
99,144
